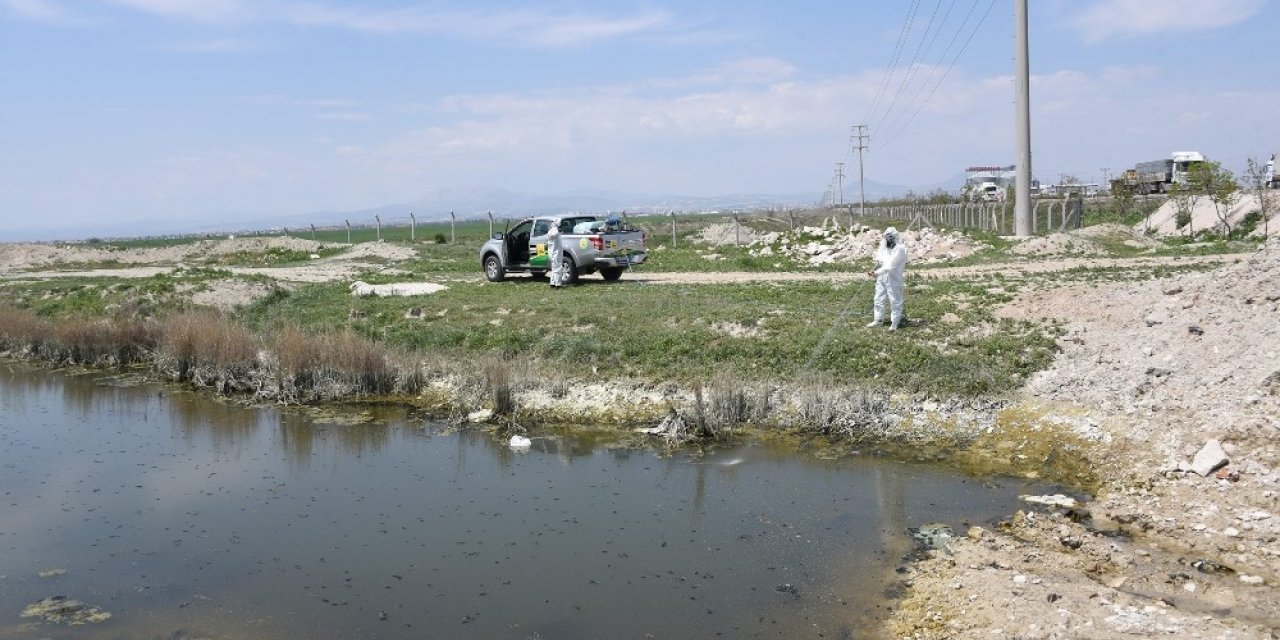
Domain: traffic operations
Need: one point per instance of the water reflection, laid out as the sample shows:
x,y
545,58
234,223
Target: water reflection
x,y
187,516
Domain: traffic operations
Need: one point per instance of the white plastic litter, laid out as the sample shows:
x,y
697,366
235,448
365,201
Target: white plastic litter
x,y
1055,500
519,442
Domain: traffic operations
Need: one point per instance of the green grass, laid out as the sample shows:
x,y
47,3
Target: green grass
x,y
669,332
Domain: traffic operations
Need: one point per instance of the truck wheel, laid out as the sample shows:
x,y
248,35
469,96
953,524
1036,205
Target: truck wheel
x,y
570,271
493,270
611,273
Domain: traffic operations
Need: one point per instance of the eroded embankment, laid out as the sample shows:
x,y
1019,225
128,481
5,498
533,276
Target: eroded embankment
x,y
205,350
1176,374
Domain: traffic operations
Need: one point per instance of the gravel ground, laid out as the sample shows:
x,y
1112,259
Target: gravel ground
x,y
1162,368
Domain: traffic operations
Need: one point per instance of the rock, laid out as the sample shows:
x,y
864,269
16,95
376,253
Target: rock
x,y
976,533
481,415
1195,330
1248,579
1210,458
1172,290
1212,568
1227,474
414,313
934,535
519,442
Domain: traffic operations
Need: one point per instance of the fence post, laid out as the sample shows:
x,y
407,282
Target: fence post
x,y
453,231
673,229
413,227
490,224
792,215
313,232
348,230
378,224
737,231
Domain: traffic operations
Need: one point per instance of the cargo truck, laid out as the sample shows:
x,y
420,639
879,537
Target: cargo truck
x,y
1158,175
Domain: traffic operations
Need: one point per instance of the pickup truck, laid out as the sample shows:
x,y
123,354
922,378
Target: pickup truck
x,y
589,244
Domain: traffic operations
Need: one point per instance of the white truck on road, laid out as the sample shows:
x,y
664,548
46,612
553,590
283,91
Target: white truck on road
x,y
590,245
1158,175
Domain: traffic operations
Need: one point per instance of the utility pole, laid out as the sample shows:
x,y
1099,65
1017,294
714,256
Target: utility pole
x,y
1022,127
860,138
839,184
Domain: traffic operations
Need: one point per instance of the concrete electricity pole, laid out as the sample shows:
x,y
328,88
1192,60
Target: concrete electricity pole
x,y
860,138
1022,128
839,184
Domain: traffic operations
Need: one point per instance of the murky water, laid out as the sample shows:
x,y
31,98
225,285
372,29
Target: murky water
x,y
187,517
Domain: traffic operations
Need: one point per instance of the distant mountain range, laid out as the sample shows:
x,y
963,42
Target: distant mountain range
x,y
470,203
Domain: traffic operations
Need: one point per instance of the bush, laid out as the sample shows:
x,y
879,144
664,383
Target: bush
x,y
1182,219
440,239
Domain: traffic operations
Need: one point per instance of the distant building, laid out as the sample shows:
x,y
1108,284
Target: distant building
x,y
1003,177
986,182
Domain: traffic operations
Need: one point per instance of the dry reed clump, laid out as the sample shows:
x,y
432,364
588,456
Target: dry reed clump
x,y
729,403
335,365
497,377
105,342
206,349
853,414
24,332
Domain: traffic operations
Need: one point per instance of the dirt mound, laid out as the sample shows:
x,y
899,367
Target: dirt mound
x,y
1082,241
1155,344
730,233
255,245
817,246
22,257
381,250
1204,215
1157,369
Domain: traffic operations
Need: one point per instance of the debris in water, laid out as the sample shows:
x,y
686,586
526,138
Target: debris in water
x,y
49,573
519,442
64,610
1055,500
934,535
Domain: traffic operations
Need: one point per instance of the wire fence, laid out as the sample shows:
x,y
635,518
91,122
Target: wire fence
x,y
1047,215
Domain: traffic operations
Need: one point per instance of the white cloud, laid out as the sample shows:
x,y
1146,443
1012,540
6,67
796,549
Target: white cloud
x,y
522,26
1118,18
202,10
46,11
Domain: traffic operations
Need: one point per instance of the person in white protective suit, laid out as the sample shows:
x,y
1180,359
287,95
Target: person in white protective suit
x,y
891,262
555,256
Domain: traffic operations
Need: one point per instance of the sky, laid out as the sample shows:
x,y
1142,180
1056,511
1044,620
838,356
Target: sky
x,y
117,111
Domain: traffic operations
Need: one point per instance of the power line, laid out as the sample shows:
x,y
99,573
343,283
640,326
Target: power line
x,y
911,67
945,73
914,100
893,59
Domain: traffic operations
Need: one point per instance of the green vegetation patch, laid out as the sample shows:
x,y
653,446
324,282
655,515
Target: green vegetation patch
x,y
760,332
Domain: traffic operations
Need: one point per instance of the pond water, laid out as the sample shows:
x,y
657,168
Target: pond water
x,y
185,517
